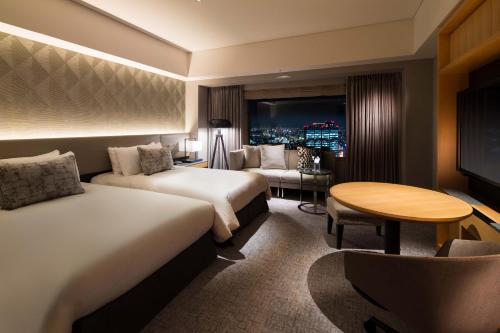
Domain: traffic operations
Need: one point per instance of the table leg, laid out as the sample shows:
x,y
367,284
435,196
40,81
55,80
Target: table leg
x,y
392,237
300,188
315,194
327,187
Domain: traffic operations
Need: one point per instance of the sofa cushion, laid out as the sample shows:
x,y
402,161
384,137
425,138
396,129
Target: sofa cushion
x,y
293,177
272,157
273,175
252,156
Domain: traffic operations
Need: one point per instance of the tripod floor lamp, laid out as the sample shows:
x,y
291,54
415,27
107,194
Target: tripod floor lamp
x,y
219,139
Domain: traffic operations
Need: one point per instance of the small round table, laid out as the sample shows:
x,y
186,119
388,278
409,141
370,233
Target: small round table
x,y
400,203
315,174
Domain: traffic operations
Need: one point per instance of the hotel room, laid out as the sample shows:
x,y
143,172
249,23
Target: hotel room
x,y
249,166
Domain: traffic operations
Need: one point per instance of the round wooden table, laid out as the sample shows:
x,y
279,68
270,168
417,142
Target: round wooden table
x,y
400,203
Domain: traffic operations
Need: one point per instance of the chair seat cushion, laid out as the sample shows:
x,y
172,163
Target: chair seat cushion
x,y
273,175
346,215
293,177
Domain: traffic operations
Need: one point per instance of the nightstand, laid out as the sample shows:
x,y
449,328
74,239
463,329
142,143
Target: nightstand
x,y
199,164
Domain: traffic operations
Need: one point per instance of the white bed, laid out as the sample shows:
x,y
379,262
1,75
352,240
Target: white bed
x,y
63,259
229,191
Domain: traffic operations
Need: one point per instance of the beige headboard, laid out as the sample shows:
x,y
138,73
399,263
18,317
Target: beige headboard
x,y
91,152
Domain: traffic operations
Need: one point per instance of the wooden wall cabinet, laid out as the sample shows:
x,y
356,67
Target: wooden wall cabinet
x,y
495,23
476,29
468,40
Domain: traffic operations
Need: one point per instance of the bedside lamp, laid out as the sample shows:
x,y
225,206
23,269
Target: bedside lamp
x,y
219,140
192,145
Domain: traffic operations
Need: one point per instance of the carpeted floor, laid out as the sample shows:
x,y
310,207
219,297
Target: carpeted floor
x,y
283,274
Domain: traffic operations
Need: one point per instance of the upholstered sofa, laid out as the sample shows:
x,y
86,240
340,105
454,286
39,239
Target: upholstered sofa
x,y
288,178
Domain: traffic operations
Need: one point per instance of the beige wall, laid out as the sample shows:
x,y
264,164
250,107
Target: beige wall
x,y
429,16
418,133
191,125
46,91
393,41
72,22
348,46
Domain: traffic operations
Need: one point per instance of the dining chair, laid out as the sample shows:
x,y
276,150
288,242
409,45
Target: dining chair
x,y
341,215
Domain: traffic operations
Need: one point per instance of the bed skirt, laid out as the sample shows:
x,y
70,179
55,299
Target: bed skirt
x,y
251,211
132,311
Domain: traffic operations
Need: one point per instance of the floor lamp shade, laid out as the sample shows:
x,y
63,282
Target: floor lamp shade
x,y
219,140
220,123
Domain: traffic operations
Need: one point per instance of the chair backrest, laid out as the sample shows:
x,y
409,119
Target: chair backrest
x,y
432,294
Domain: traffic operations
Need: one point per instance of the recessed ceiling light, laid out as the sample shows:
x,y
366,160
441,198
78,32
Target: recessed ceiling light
x,y
286,76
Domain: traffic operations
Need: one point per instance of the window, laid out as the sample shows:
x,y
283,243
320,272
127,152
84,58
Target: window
x,y
316,122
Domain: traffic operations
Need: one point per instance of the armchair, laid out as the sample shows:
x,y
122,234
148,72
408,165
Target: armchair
x,y
456,291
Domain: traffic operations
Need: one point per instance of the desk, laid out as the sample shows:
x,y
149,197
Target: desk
x,y
400,203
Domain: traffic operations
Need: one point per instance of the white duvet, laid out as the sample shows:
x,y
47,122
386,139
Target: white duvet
x,y
229,191
63,259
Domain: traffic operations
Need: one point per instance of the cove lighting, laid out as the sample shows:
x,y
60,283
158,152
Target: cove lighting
x,y
38,37
84,134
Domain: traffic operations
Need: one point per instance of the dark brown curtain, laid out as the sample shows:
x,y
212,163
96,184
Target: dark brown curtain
x,y
225,103
373,127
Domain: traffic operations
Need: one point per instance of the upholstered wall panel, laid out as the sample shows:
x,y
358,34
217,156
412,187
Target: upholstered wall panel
x,y
46,91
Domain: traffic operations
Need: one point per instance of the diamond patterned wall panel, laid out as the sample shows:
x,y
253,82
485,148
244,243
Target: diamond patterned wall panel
x,y
46,91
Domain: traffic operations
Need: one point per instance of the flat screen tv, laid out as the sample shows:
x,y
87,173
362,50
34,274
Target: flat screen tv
x,y
479,133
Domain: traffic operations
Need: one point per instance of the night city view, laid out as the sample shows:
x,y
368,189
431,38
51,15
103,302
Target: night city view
x,y
317,122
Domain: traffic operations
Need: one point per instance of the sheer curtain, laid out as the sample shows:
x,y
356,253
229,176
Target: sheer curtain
x,y
225,103
373,127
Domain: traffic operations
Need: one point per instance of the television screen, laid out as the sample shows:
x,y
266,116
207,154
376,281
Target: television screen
x,y
479,133
316,122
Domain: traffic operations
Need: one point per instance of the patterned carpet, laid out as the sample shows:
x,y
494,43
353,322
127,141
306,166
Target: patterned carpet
x,y
283,274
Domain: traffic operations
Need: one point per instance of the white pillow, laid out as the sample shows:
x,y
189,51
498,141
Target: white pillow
x,y
272,157
115,165
29,159
252,156
128,158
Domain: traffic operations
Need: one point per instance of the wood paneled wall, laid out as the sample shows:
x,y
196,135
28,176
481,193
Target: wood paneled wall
x,y
468,40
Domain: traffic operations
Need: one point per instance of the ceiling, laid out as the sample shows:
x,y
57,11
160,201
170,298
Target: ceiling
x,y
208,24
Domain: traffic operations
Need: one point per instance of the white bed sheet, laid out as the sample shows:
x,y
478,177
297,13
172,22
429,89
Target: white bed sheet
x,y
63,259
229,191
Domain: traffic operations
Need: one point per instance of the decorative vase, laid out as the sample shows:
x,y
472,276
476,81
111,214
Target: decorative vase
x,y
316,163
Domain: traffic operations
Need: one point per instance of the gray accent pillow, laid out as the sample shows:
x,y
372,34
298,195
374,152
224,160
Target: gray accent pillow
x,y
22,184
155,160
304,158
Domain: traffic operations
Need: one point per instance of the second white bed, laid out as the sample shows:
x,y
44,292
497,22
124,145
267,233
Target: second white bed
x,y
229,191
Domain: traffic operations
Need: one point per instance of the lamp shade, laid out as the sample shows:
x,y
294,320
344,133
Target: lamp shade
x,y
193,146
220,123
